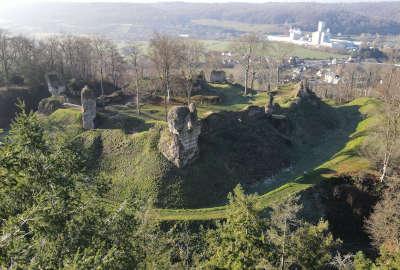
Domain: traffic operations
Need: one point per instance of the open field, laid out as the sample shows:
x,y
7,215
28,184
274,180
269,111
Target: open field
x,y
274,49
278,49
244,27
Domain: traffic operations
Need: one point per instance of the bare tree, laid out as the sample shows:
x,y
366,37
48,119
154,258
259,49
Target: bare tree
x,y
245,49
164,51
134,55
191,57
384,223
343,262
101,46
115,64
390,126
52,48
8,55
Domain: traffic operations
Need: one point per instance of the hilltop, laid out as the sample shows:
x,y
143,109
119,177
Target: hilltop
x,y
269,156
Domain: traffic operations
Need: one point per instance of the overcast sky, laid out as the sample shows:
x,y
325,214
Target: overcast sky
x,y
195,1
4,3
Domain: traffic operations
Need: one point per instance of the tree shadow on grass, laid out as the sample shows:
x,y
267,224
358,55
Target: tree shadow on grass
x,y
232,95
121,117
320,132
319,136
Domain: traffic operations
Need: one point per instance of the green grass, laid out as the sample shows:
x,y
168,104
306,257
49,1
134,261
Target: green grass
x,y
277,49
232,100
133,162
64,120
345,161
244,27
124,149
273,49
128,160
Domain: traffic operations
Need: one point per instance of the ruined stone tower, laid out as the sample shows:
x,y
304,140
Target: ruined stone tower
x,y
304,90
55,84
88,100
269,105
180,143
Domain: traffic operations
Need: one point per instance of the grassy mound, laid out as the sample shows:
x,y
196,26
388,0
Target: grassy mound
x,y
337,153
227,157
64,121
129,160
309,141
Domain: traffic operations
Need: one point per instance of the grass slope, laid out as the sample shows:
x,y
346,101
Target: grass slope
x,y
124,149
323,149
317,165
234,154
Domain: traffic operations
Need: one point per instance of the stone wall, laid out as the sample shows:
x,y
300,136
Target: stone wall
x,y
305,93
88,99
55,84
218,76
180,143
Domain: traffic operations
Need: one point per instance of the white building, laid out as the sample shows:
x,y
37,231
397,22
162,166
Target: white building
x,y
295,34
322,36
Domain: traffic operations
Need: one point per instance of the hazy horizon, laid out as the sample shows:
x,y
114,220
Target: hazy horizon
x,y
19,2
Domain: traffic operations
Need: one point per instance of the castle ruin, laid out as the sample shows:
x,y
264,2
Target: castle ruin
x,y
55,84
179,144
88,100
217,76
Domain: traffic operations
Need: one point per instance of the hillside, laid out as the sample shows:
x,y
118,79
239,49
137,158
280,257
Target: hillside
x,y
336,154
272,157
230,152
138,21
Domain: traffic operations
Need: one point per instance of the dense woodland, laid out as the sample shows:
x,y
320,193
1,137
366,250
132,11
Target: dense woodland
x,y
56,212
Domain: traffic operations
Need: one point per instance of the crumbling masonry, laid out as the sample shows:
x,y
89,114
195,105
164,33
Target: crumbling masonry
x,y
180,143
88,100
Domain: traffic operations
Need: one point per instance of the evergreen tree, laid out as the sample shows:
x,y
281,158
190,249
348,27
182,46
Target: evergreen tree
x,y
239,242
312,246
56,215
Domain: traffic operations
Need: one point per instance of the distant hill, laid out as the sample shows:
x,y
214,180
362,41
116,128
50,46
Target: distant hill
x,y
138,21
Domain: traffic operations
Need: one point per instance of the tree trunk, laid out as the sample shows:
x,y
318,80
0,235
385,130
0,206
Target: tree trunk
x,y
189,92
166,108
137,95
277,77
167,89
283,247
246,78
101,81
384,167
252,80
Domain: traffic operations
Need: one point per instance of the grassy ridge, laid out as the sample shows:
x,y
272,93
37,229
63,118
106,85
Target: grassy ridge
x,y
345,161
